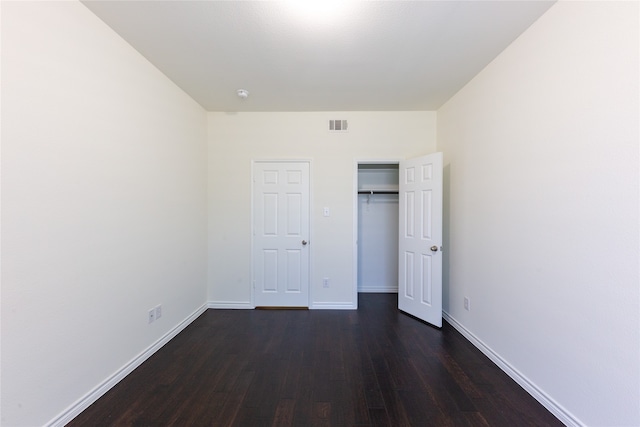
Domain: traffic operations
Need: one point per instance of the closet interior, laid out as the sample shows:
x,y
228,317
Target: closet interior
x,y
378,227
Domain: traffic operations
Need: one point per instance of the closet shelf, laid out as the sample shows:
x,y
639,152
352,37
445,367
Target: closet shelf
x,y
377,192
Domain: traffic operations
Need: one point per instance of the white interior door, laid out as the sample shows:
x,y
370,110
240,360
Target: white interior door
x,y
281,234
420,238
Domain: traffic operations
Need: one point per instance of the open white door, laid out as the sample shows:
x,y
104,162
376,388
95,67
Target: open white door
x,y
281,234
420,238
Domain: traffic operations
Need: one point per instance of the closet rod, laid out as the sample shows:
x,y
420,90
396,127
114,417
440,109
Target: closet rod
x,y
376,192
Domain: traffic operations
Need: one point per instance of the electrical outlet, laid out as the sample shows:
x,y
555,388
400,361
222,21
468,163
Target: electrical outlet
x,y
467,304
325,282
158,311
152,315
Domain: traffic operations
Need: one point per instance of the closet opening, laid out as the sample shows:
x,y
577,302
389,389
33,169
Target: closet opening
x,y
377,227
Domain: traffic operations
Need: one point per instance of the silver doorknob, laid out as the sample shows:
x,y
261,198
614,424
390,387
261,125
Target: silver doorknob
x,y
304,243
434,249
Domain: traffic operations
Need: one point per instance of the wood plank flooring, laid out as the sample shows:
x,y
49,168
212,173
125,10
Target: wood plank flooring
x,y
370,367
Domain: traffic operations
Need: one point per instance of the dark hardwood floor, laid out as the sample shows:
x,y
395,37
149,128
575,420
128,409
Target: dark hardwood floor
x,y
370,367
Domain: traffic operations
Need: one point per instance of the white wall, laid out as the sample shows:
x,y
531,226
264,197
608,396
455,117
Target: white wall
x,y
378,243
237,139
103,206
542,170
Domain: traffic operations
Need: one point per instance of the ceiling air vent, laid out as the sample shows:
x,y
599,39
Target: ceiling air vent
x,y
338,125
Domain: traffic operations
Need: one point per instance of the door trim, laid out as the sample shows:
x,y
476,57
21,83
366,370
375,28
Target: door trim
x,y
356,163
251,228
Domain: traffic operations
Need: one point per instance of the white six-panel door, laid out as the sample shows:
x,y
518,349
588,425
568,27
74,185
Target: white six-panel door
x,y
420,238
281,234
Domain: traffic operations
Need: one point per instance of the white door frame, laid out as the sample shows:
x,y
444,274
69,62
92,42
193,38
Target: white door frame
x,y
357,162
251,231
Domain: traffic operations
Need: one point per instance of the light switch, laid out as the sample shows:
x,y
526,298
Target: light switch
x,y
325,211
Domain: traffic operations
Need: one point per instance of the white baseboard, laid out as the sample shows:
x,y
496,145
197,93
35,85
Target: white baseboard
x,y
378,289
230,305
333,306
545,400
84,402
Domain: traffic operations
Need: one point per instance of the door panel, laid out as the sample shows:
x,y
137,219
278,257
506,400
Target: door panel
x,y
420,272
280,225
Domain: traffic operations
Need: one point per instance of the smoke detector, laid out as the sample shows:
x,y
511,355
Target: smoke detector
x,y
242,93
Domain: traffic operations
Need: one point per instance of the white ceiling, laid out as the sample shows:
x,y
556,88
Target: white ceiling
x,y
366,56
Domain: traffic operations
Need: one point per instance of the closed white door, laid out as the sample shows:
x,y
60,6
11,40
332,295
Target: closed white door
x,y
281,234
420,238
